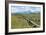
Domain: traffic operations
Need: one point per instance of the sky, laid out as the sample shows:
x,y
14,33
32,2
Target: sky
x,y
18,9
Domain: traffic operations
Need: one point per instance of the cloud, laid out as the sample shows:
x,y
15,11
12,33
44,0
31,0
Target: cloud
x,y
16,9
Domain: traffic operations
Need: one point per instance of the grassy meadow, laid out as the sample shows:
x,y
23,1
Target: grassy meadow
x,y
25,21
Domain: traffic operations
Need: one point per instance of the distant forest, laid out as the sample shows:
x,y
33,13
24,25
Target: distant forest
x,y
13,14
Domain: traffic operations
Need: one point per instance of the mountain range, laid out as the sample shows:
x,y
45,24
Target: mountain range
x,y
27,12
